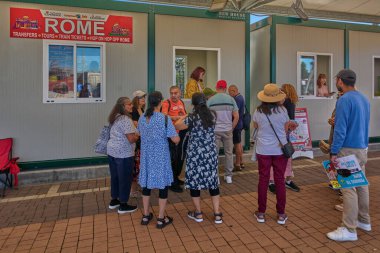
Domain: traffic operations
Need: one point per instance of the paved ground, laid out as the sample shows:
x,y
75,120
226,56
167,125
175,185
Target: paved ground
x,y
73,217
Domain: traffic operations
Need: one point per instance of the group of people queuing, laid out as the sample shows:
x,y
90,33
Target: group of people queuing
x,y
149,145
151,140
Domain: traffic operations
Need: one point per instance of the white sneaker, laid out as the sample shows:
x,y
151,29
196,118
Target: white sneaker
x,y
342,234
339,207
364,226
228,179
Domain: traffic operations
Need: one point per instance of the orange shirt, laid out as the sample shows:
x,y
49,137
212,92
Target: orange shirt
x,y
176,108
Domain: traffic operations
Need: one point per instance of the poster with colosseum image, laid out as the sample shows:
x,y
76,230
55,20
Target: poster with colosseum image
x,y
300,138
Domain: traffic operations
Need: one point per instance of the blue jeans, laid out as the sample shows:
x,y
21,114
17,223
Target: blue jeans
x,y
121,170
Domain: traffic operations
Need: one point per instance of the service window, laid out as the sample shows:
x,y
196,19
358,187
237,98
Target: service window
x,y
74,72
186,59
314,75
376,77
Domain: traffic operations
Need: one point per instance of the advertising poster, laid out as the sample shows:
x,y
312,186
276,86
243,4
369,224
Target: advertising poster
x,y
357,178
61,25
61,71
300,138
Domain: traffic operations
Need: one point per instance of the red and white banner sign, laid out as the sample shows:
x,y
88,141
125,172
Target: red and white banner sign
x,y
61,25
300,137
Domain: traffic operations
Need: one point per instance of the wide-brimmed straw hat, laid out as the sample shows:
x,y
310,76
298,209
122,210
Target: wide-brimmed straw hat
x,y
271,94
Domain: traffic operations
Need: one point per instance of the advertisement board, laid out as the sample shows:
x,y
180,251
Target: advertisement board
x,y
61,25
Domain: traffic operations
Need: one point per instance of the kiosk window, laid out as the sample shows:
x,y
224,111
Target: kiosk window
x,y
187,59
73,73
314,75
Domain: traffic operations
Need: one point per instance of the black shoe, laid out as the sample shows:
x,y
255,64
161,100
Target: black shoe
x,y
180,182
292,186
176,188
115,203
125,208
272,188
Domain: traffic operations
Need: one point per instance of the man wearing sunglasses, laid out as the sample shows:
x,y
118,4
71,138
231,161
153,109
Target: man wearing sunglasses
x,y
351,138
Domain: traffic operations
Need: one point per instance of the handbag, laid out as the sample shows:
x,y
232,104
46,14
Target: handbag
x,y
246,119
254,138
101,143
287,149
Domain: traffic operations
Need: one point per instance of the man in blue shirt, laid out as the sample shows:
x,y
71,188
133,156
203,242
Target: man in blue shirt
x,y
351,138
236,134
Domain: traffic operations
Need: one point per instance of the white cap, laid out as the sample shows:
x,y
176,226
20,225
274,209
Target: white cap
x,y
138,93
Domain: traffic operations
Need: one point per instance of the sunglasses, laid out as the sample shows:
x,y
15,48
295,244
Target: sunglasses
x,y
344,172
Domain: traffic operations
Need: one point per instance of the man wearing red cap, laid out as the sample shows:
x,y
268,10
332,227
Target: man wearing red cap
x,y
227,117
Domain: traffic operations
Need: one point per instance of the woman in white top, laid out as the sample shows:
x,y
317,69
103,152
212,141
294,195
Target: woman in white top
x,y
121,152
268,150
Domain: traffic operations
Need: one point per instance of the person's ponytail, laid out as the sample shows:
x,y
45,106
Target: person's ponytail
x,y
149,112
200,108
154,99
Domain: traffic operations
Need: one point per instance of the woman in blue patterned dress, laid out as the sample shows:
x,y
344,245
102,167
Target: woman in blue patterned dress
x,y
202,157
155,166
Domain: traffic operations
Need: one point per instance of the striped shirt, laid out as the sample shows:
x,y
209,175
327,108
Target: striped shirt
x,y
223,105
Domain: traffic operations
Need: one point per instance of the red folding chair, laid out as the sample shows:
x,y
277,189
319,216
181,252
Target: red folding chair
x,y
8,163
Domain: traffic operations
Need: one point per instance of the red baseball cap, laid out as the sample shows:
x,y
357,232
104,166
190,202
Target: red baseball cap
x,y
221,84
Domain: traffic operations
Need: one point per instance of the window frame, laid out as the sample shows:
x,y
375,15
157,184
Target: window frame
x,y
315,55
75,100
195,48
374,57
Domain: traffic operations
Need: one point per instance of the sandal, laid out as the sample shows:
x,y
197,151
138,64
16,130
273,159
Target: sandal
x,y
194,216
146,219
237,168
242,166
220,219
163,222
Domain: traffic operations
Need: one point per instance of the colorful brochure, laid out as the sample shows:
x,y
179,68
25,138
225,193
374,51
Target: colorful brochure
x,y
357,177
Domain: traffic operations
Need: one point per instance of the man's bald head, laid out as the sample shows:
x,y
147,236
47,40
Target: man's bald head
x,y
233,90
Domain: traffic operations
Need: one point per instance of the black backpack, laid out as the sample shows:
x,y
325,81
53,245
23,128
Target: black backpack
x,y
246,119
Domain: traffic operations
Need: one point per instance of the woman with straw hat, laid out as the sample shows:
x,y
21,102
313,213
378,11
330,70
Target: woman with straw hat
x,y
271,119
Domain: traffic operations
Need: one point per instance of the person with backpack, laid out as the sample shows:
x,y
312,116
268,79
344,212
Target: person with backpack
x,y
175,109
236,133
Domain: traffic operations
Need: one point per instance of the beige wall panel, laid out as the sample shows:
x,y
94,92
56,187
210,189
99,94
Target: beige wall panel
x,y
212,68
260,62
61,131
198,32
363,46
293,39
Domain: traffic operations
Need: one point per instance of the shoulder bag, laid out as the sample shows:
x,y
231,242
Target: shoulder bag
x,y
101,143
287,149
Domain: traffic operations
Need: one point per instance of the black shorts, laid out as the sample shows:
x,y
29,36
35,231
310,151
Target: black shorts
x,y
236,136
